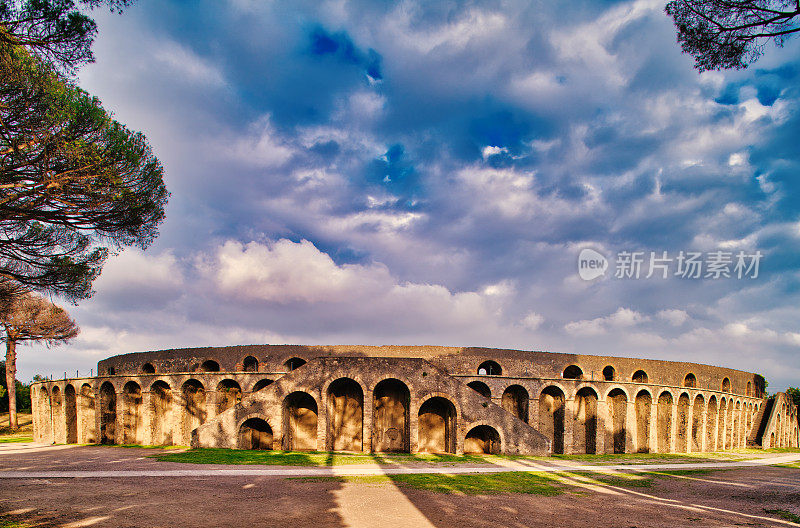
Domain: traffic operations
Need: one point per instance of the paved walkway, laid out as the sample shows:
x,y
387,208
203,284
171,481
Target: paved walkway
x,y
499,466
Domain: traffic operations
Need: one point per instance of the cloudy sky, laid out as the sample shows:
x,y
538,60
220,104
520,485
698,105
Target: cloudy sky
x,y
427,173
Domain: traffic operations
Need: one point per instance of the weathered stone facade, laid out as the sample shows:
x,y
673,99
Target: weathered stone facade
x,y
412,399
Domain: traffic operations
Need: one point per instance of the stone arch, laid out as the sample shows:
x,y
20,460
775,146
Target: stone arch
x,y
57,404
481,388
690,381
735,434
711,423
345,415
482,439
489,368
255,433
161,413
71,414
229,393
617,402
194,408
585,416
132,427
515,401
643,405
721,415
609,373
148,368
209,365
300,417
682,436
749,389
551,416
250,364
437,421
108,413
640,376
664,422
86,415
697,423
572,372
390,417
726,385
293,363
261,384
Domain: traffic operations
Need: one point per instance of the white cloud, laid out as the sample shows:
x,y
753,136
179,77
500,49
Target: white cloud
x,y
673,317
182,61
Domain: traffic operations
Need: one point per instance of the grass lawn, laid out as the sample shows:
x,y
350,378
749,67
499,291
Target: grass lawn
x,y
23,434
321,458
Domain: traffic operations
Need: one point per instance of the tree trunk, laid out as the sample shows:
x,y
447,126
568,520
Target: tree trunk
x,y
11,382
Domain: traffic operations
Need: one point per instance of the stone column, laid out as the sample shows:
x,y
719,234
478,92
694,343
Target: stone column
x,y
690,426
673,430
704,427
654,425
602,418
368,435
413,421
145,425
630,426
569,426
119,422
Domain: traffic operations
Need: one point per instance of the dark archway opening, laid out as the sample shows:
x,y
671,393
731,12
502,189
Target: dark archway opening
x,y
481,388
482,439
390,422
250,364
345,415
489,368
515,401
437,426
300,422
573,372
255,433
551,417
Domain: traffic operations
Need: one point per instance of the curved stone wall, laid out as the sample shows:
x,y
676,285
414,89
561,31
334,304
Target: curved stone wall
x,y
411,399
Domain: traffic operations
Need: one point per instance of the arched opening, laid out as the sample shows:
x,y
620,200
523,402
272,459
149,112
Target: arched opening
x,y
161,413
489,368
45,407
690,381
515,401
726,385
300,422
87,433
481,440
293,363
721,419
585,440
664,422
437,426
209,365
682,440
255,433
711,424
729,428
71,414
260,384
640,376
345,415
697,423
749,389
617,403
132,428
551,417
481,388
111,371
250,364
390,420
229,393
572,372
148,368
609,373
736,423
108,413
57,404
643,404
194,408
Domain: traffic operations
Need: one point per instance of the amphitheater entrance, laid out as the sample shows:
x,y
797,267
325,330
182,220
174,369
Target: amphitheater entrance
x,y
160,413
87,433
194,408
300,422
132,413
229,393
551,417
345,415
390,419
108,413
437,426
71,414
644,403
664,422
255,433
482,439
617,403
585,440
723,406
515,401
711,424
697,423
682,440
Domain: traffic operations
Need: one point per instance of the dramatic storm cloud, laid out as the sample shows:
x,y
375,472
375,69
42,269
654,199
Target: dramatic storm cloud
x,y
427,173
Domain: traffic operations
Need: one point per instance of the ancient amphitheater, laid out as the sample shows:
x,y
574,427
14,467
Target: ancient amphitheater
x,y
412,399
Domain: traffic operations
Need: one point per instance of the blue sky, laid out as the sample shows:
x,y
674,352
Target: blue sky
x,y
383,173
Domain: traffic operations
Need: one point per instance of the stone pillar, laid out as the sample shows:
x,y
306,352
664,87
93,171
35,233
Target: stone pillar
x,y
630,426
569,426
602,419
413,424
654,425
147,431
704,427
368,434
690,426
673,431
119,422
